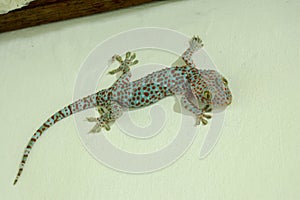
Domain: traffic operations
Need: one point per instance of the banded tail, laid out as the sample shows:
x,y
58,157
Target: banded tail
x,y
79,105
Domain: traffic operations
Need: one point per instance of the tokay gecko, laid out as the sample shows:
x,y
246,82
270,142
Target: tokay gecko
x,y
200,91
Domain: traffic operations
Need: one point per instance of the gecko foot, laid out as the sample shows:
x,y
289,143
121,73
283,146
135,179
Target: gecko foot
x,y
102,121
98,126
196,43
202,118
124,64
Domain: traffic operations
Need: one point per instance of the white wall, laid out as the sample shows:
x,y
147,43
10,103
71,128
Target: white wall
x,y
254,43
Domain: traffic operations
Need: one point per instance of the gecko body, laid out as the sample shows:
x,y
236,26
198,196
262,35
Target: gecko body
x,y
200,91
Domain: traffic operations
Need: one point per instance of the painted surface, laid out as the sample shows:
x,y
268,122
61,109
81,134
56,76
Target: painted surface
x,y
254,44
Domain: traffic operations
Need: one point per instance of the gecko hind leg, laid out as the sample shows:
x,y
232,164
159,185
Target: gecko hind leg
x,y
124,64
101,121
107,115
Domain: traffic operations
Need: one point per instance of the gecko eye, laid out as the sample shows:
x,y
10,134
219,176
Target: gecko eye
x,y
207,94
224,81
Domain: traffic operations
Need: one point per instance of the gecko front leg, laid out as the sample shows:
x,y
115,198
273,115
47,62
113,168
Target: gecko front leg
x,y
195,45
201,114
186,58
125,65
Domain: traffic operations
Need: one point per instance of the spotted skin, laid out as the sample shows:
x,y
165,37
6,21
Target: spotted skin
x,y
201,91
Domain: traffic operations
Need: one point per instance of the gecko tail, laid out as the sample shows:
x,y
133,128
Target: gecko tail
x,y
80,105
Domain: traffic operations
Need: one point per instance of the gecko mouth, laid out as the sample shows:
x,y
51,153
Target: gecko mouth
x,y
229,101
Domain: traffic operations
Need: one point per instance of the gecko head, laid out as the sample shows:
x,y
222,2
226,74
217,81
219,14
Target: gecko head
x,y
212,89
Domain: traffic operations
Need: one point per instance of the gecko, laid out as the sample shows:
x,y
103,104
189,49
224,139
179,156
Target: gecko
x,y
201,91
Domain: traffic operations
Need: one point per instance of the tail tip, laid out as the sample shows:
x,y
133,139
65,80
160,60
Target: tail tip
x,y
15,181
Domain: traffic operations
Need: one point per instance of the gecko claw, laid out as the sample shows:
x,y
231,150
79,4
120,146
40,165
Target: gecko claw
x,y
134,62
202,119
114,71
117,58
106,126
207,108
132,57
207,116
91,119
128,55
96,128
102,110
